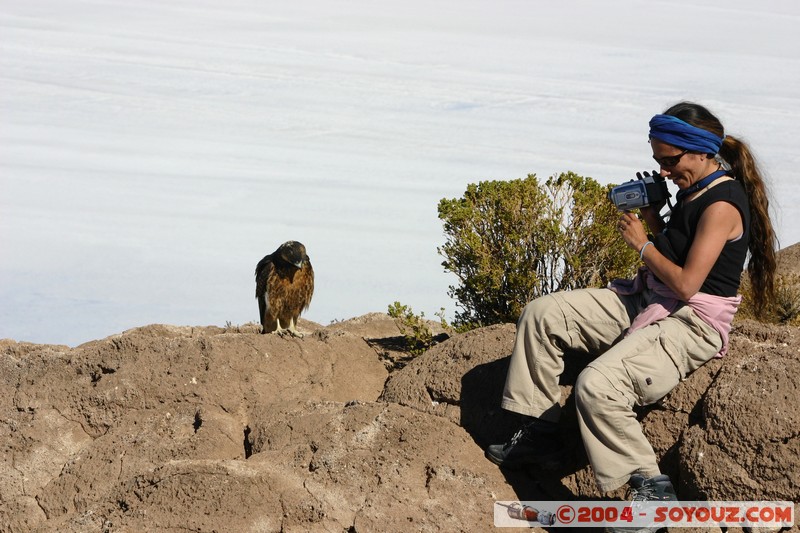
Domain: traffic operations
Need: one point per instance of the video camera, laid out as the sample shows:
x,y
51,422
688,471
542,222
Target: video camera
x,y
647,189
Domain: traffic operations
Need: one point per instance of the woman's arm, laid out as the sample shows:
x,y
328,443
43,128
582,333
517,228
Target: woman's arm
x,y
719,223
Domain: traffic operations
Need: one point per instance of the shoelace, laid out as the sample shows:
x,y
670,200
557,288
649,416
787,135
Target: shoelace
x,y
647,493
515,438
643,494
524,431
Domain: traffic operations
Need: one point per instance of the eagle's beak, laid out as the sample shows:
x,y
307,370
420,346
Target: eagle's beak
x,y
299,264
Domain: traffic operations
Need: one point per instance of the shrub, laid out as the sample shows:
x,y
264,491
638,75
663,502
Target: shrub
x,y
783,309
414,328
509,242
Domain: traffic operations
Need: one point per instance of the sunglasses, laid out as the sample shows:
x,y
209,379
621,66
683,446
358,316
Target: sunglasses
x,y
670,160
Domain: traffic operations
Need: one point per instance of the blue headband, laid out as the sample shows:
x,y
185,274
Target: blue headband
x,y
676,132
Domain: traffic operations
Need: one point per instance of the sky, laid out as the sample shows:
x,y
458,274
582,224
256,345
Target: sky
x,y
151,152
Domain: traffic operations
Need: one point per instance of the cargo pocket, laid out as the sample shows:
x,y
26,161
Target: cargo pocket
x,y
676,353
653,376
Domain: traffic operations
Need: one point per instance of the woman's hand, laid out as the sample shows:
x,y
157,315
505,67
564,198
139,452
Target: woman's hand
x,y
632,230
652,215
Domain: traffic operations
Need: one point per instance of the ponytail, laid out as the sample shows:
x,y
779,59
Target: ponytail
x,y
763,241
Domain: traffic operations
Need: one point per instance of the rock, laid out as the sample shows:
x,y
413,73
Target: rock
x,y
748,435
75,422
789,260
460,380
224,429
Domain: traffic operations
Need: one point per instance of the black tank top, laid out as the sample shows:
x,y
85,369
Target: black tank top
x,y
676,239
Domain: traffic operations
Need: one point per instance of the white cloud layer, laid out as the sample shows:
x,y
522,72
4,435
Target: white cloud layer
x,y
151,152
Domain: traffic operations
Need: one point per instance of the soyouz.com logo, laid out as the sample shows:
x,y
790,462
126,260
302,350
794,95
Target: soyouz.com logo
x,y
644,514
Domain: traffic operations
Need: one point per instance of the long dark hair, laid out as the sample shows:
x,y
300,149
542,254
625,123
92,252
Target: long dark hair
x,y
763,241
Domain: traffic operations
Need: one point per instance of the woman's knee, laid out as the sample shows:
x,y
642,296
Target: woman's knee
x,y
598,392
594,389
586,386
540,309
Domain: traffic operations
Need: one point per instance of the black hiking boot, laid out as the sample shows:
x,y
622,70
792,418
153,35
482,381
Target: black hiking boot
x,y
656,489
535,443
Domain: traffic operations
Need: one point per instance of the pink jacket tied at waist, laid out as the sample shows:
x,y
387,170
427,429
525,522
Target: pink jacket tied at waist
x,y
716,311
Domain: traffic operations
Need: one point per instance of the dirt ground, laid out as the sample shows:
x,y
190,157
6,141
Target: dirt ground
x,y
166,428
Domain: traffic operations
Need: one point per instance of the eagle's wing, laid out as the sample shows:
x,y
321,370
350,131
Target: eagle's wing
x,y
307,290
264,270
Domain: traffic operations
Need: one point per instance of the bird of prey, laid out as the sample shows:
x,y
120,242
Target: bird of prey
x,y
284,286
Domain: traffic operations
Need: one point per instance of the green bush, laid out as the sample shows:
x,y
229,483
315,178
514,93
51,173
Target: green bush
x,y
414,328
509,242
785,306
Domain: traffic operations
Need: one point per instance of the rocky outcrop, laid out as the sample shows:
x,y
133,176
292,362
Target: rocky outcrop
x,y
747,438
207,429
79,425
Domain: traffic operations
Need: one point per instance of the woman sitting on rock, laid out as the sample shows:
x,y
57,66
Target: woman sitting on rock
x,y
651,332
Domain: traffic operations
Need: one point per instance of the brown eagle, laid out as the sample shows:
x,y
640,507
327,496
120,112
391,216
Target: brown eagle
x,y
284,286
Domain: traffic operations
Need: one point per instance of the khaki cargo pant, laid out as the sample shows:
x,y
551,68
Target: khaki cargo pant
x,y
638,369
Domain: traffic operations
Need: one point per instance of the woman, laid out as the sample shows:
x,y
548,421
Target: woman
x,y
651,332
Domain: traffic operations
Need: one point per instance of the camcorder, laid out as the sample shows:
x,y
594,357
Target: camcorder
x,y
647,189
